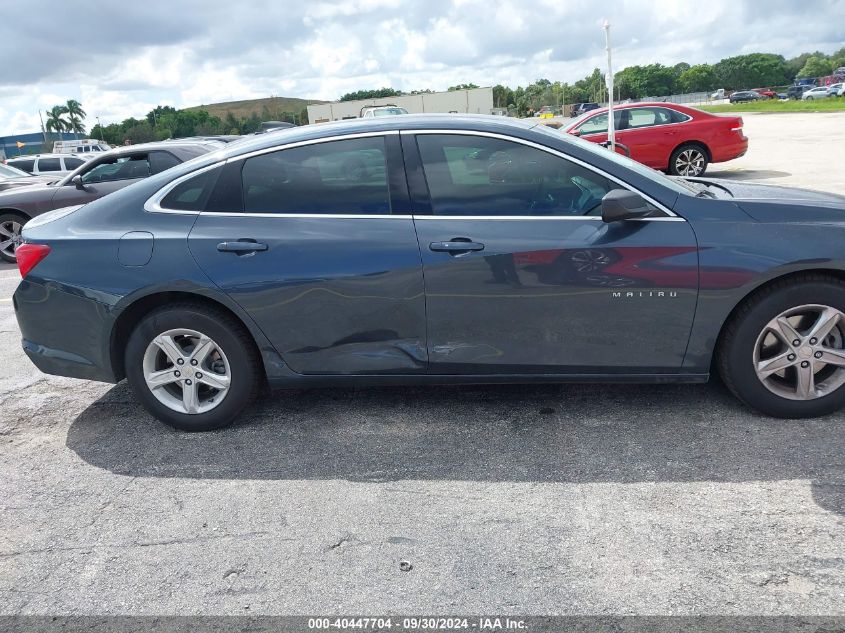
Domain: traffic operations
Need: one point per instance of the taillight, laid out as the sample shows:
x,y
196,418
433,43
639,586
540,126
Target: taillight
x,y
29,256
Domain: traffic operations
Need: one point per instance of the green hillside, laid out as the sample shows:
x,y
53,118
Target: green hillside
x,y
245,109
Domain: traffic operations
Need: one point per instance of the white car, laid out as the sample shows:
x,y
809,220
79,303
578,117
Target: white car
x,y
48,164
836,90
816,93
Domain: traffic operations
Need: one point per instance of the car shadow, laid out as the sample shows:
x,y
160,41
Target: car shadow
x,y
538,433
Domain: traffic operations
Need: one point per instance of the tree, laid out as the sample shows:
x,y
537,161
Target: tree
x,y
816,66
55,122
698,78
462,87
653,80
75,115
750,71
371,94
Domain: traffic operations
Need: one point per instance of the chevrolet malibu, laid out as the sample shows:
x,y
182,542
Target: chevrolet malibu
x,y
435,249
673,138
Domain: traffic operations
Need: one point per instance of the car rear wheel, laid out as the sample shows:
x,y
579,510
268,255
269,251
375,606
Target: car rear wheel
x,y
688,160
192,367
11,226
784,351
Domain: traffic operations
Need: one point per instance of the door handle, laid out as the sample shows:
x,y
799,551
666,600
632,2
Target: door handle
x,y
241,247
457,246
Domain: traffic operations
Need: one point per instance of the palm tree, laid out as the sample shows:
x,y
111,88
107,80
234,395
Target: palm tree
x,y
75,114
55,122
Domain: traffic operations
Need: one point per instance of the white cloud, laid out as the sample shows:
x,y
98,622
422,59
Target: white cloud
x,y
189,52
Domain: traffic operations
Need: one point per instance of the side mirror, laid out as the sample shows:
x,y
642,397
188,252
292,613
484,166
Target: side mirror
x,y
621,204
575,132
77,182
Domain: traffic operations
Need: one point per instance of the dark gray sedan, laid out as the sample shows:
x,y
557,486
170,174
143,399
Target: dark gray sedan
x,y
435,249
97,177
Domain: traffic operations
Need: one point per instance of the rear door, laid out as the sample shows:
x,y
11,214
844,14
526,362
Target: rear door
x,y
316,242
650,134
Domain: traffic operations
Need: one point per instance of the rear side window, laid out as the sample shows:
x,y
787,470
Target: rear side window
x,y
49,164
26,165
334,177
73,163
191,194
161,161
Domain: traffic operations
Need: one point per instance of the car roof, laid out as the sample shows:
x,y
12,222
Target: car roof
x,y
481,122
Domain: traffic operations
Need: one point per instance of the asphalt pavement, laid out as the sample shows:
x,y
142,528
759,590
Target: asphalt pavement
x,y
558,499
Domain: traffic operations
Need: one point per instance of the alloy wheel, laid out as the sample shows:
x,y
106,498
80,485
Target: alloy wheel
x,y
186,371
690,162
800,354
10,237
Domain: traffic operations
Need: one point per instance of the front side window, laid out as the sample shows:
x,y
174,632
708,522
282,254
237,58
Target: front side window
x,y
480,176
335,177
118,168
49,164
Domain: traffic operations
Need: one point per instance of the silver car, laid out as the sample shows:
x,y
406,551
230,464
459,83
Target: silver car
x,y
104,173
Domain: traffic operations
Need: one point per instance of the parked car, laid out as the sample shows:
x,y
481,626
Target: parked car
x,y
798,90
11,177
95,178
577,109
667,136
719,94
741,96
836,90
821,92
365,252
80,146
768,93
56,165
384,110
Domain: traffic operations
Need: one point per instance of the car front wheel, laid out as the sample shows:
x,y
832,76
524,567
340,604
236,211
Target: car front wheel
x,y
688,160
192,367
784,351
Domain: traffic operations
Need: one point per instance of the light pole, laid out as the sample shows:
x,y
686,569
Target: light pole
x,y
611,133
100,125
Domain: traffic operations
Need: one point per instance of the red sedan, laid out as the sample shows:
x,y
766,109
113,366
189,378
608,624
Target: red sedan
x,y
667,136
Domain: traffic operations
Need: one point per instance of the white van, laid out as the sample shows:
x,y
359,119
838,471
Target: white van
x,y
80,146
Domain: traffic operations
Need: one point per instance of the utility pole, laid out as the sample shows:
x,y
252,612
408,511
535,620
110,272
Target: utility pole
x,y
100,125
611,133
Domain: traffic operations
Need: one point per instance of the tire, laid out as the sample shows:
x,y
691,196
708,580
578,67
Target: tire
x,y
11,225
690,159
200,339
749,342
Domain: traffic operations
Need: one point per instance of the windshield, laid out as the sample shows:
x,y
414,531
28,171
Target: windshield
x,y
678,186
7,171
389,111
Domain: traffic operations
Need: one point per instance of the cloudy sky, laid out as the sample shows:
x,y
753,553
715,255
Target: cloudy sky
x,y
120,59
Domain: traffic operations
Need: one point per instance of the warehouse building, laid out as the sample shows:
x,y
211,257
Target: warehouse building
x,y
475,101
30,143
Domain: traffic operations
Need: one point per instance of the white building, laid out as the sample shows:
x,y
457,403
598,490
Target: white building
x,y
475,101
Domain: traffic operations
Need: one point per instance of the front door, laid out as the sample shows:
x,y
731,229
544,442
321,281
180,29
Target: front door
x,y
317,244
523,276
